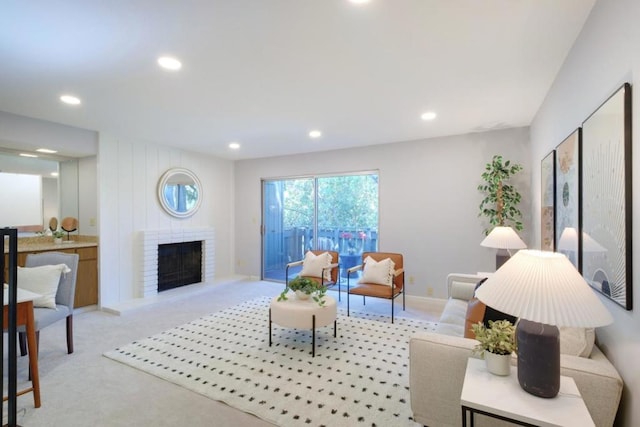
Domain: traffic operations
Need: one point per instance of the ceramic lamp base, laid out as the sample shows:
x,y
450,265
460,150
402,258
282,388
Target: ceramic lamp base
x,y
538,358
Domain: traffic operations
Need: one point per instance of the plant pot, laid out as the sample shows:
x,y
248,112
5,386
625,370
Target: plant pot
x,y
498,364
57,240
302,296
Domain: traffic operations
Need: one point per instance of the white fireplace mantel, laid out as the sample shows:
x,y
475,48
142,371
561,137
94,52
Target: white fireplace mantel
x,y
147,277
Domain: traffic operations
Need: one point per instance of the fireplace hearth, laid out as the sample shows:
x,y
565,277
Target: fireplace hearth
x,y
179,264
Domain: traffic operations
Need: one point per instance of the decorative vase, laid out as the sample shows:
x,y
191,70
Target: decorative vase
x,y
498,364
302,296
57,240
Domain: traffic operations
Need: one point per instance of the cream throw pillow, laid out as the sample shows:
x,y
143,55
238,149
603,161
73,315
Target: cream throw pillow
x,y
43,280
577,341
378,272
313,264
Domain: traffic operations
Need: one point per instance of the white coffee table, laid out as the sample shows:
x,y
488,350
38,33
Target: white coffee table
x,y
303,314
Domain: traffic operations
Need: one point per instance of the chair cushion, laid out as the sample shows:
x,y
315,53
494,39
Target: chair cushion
x,y
313,264
45,316
378,272
43,280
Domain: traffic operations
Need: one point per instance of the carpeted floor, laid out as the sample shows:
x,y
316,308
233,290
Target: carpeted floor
x,y
358,378
87,389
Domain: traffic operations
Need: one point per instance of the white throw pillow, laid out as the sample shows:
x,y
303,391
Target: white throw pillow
x,y
313,264
378,272
577,341
43,280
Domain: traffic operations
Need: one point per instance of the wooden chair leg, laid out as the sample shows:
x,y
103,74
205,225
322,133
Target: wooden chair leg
x,y
37,351
22,340
70,334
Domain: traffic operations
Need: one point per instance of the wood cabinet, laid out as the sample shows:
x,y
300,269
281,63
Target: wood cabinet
x,y
87,280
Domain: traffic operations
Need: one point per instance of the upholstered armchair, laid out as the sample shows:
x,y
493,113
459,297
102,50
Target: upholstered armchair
x,y
382,277
325,273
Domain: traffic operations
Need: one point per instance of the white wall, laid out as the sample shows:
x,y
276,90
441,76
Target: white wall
x,y
49,200
604,56
128,174
88,196
69,192
428,200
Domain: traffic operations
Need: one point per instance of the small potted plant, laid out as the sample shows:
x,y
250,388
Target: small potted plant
x,y
305,288
57,236
496,343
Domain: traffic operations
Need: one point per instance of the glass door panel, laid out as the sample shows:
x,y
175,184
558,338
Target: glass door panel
x,y
348,216
338,213
288,219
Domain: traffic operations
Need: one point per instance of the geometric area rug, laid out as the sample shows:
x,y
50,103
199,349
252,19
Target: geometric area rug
x,y
359,378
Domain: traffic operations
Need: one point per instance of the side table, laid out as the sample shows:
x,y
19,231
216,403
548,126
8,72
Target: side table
x,y
303,314
504,399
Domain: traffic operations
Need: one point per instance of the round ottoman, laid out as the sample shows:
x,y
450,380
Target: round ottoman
x,y
303,314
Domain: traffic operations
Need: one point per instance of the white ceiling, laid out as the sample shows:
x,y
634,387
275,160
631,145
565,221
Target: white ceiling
x,y
266,72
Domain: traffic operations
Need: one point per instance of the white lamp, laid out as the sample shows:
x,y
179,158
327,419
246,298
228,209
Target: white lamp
x,y
545,291
503,238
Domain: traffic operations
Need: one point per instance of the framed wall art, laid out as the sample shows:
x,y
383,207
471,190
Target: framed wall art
x,y
568,197
606,198
547,205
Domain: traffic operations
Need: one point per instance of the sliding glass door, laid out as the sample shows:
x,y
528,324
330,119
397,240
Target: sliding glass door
x,y
337,213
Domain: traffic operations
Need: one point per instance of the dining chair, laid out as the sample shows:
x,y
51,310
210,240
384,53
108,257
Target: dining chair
x,y
65,296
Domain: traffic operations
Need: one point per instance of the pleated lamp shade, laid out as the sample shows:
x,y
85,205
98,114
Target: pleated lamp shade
x,y
544,287
503,238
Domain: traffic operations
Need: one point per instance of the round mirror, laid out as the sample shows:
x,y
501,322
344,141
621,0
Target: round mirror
x,y
179,192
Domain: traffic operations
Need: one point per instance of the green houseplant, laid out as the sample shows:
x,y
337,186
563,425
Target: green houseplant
x,y
305,286
496,343
500,204
57,236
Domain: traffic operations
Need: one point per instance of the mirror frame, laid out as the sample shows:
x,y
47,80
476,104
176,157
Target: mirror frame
x,y
163,202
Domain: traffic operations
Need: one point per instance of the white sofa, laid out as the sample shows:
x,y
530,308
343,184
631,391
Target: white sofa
x,y
438,362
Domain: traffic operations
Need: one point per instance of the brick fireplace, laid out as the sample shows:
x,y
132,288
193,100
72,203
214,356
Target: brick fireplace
x,y
147,284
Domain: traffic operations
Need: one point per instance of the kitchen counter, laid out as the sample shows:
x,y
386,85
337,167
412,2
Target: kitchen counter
x,y
45,243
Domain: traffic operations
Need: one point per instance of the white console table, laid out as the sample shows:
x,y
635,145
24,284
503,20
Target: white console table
x,y
503,398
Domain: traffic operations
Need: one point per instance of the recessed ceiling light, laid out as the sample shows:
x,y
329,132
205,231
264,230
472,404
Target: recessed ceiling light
x,y
54,173
46,151
315,134
70,99
28,155
429,115
359,1
234,145
169,63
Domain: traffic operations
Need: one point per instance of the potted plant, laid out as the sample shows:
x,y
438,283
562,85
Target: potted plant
x,y
305,288
500,205
57,236
496,343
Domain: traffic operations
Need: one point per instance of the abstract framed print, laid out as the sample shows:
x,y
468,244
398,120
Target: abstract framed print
x,y
547,204
606,198
568,197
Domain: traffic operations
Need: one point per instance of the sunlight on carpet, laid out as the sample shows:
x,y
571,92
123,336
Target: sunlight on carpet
x,y
359,378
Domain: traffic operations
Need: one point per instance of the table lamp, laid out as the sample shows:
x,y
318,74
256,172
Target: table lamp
x,y
503,239
545,291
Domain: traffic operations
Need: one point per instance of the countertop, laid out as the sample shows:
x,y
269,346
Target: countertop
x,y
45,243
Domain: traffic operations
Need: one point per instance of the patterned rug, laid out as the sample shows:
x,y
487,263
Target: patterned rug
x,y
359,378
